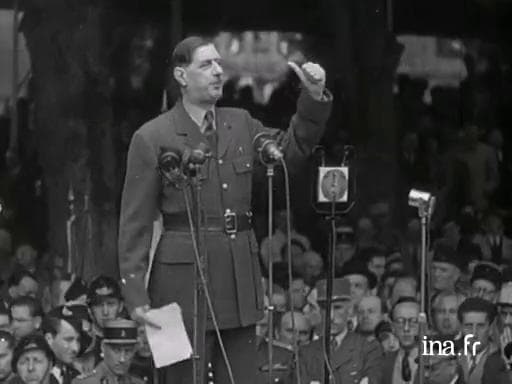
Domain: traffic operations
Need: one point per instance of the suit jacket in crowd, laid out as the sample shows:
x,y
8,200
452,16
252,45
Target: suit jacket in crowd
x,y
233,266
476,374
495,371
354,359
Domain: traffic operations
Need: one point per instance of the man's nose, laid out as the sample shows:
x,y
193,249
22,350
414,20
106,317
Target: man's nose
x,y
217,68
105,309
122,356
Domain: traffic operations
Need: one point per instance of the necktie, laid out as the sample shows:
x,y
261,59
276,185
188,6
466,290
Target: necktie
x,y
406,368
209,131
472,364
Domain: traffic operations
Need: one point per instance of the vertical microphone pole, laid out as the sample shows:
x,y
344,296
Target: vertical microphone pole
x,y
270,175
423,213
330,279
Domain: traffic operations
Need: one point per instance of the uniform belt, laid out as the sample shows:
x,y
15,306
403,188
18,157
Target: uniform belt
x,y
230,223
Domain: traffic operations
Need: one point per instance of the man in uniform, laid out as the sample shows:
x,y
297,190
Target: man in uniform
x,y
118,346
233,270
353,358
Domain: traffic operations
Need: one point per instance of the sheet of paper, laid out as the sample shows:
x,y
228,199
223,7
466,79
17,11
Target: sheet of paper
x,y
170,344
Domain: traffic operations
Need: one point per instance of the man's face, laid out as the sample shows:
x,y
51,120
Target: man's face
x,y
313,267
23,323
298,293
476,324
405,322
369,313
5,323
505,318
344,252
358,287
302,329
27,287
106,309
377,265
445,316
118,357
33,367
484,289
5,360
439,370
389,342
340,312
66,343
203,77
444,276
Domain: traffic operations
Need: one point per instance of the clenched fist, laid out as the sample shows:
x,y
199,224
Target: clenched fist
x,y
312,77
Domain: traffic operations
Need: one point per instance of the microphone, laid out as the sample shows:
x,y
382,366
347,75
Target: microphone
x,y
196,156
265,144
175,165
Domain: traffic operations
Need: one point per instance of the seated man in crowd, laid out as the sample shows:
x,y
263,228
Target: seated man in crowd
x,y
401,367
353,358
476,316
6,347
33,360
118,347
282,346
498,367
375,259
369,315
385,336
441,368
106,303
63,328
26,316
447,268
405,285
486,281
20,283
444,308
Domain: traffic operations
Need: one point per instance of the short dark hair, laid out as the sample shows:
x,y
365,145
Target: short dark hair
x,y
8,338
184,51
17,276
403,300
33,305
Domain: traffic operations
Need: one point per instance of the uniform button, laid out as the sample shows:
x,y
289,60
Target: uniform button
x,y
248,165
224,186
220,161
232,236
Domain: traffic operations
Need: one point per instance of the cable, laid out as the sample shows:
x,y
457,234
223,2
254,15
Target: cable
x,y
206,290
290,277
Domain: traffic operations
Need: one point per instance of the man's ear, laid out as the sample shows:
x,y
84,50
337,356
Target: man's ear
x,y
49,338
180,75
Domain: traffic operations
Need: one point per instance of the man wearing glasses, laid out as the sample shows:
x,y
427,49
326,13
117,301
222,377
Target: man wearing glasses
x,y
401,366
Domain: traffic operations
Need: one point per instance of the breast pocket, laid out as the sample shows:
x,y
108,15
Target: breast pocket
x,y
243,165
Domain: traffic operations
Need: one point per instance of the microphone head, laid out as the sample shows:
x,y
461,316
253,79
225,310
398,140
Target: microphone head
x,y
266,145
169,161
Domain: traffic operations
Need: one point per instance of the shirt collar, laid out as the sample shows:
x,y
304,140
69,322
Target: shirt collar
x,y
339,338
197,113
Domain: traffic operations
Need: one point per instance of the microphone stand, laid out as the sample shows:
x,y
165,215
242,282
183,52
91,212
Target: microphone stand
x,y
270,309
199,322
328,374
423,212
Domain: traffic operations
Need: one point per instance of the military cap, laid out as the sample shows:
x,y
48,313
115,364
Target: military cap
x,y
357,267
340,290
505,296
120,331
477,304
444,253
32,342
103,287
487,271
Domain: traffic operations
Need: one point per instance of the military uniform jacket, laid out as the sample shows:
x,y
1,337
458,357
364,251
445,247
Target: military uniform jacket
x,y
232,261
353,360
282,363
102,375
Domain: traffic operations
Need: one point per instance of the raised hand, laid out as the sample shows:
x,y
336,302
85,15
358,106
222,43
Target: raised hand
x,y
312,77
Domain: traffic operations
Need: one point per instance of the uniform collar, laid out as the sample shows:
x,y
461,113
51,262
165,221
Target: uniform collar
x,y
197,113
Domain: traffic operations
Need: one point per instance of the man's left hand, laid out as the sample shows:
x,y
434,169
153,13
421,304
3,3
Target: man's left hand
x,y
312,77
